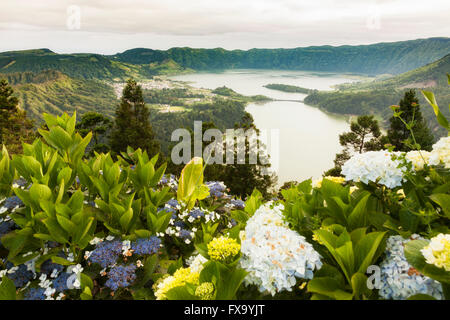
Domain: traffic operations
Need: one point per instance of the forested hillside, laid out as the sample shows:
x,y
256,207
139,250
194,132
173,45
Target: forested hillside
x,y
380,58
54,92
375,97
82,66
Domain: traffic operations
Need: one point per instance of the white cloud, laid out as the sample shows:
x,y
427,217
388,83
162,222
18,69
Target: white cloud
x,y
213,23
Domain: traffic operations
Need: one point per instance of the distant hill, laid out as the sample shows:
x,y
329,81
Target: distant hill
x,y
82,66
375,97
380,58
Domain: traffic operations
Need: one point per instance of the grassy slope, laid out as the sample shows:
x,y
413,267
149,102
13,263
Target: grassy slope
x,y
54,92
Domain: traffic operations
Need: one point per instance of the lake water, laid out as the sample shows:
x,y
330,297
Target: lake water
x,y
308,138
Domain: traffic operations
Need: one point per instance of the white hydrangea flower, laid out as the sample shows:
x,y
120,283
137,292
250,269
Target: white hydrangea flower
x,y
418,158
196,262
441,152
438,251
375,166
399,280
273,254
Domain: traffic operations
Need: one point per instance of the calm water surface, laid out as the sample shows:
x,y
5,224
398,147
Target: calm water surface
x,y
308,137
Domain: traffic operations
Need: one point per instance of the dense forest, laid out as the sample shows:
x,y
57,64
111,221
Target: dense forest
x,y
380,58
375,97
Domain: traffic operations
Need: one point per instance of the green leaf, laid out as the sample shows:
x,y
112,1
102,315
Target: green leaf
x,y
16,241
190,182
357,217
329,287
62,261
359,285
421,297
429,96
444,201
7,289
417,260
40,192
125,219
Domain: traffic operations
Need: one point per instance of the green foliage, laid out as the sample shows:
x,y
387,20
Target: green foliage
x,y
287,88
132,126
191,187
7,289
429,96
365,135
408,130
97,124
353,253
378,58
375,97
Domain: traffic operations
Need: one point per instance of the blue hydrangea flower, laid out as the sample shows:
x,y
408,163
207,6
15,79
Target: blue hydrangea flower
x,y
6,227
146,246
238,203
216,188
12,202
35,294
121,276
196,213
48,266
399,280
179,224
21,276
173,203
185,234
60,283
106,253
21,182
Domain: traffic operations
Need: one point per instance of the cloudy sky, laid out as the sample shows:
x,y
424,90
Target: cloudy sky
x,y
110,26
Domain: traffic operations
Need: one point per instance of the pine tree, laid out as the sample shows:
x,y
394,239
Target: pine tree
x,y
132,123
365,135
241,179
399,135
97,124
15,127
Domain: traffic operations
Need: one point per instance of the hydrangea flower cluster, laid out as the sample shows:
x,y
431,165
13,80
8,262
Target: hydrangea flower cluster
x,y
178,279
441,152
121,276
146,246
184,225
196,262
106,253
236,204
11,204
273,254
375,166
223,249
205,291
418,158
399,280
216,188
6,226
170,181
438,251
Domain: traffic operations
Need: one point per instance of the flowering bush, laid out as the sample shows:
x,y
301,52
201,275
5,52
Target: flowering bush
x,y
123,228
374,166
273,254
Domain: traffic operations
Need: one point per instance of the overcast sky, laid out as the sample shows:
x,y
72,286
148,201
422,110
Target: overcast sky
x,y
110,26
